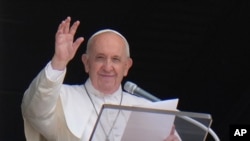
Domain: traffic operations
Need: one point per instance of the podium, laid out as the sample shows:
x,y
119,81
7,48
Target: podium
x,y
129,123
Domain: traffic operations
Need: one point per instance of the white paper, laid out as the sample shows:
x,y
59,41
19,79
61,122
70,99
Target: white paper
x,y
144,126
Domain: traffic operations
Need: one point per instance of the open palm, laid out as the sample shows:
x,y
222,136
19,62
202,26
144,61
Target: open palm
x,y
65,46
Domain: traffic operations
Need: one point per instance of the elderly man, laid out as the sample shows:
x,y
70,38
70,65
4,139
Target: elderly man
x,y
53,111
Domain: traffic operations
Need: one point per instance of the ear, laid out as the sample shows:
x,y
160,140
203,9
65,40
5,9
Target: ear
x,y
85,62
128,64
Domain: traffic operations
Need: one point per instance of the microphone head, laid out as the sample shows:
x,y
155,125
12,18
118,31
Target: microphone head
x,y
130,87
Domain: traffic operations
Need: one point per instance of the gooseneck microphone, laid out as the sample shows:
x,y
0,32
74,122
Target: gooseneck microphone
x,y
134,89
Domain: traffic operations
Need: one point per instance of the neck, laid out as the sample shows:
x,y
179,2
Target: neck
x,y
102,93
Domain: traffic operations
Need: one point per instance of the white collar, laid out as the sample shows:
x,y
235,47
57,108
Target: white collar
x,y
96,92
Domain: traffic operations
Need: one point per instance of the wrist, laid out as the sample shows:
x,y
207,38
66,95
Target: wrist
x,y
58,65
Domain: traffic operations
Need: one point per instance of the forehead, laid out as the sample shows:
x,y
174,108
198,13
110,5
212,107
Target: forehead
x,y
108,42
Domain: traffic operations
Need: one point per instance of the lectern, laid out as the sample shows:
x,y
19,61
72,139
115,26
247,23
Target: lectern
x,y
130,123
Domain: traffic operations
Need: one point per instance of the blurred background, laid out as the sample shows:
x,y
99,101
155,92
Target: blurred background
x,y
197,51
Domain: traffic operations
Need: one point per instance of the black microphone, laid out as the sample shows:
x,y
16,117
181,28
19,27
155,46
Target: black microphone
x,y
134,89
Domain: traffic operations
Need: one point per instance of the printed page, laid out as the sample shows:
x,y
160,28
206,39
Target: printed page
x,y
144,126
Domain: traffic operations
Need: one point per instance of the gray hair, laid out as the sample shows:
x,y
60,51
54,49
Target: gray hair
x,y
108,30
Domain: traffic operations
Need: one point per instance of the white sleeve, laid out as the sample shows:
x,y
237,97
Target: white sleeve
x,y
40,101
52,74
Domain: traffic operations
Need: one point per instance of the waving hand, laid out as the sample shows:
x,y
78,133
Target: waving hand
x,y
65,46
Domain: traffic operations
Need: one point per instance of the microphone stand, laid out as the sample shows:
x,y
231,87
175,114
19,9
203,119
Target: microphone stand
x,y
203,127
200,125
130,87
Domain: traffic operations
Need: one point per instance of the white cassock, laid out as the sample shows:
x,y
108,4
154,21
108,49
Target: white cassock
x,y
53,111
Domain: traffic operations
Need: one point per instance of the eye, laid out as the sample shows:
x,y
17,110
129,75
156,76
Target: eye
x,y
116,59
99,57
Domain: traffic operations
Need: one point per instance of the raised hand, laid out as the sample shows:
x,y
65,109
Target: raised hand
x,y
65,46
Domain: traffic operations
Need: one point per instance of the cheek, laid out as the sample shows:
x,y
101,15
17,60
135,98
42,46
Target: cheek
x,y
123,71
95,67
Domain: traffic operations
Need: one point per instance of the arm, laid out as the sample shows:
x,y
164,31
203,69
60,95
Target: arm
x,y
41,96
40,99
39,104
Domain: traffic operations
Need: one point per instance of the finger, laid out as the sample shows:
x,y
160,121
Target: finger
x,y
172,130
78,42
74,27
66,25
60,28
170,138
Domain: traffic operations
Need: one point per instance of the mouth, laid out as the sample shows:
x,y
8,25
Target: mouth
x,y
107,75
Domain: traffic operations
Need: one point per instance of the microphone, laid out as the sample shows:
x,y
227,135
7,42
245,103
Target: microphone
x,y
134,89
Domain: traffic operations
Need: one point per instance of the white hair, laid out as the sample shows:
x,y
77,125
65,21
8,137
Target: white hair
x,y
108,30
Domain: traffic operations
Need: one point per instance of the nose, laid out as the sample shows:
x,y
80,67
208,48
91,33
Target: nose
x,y
108,65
